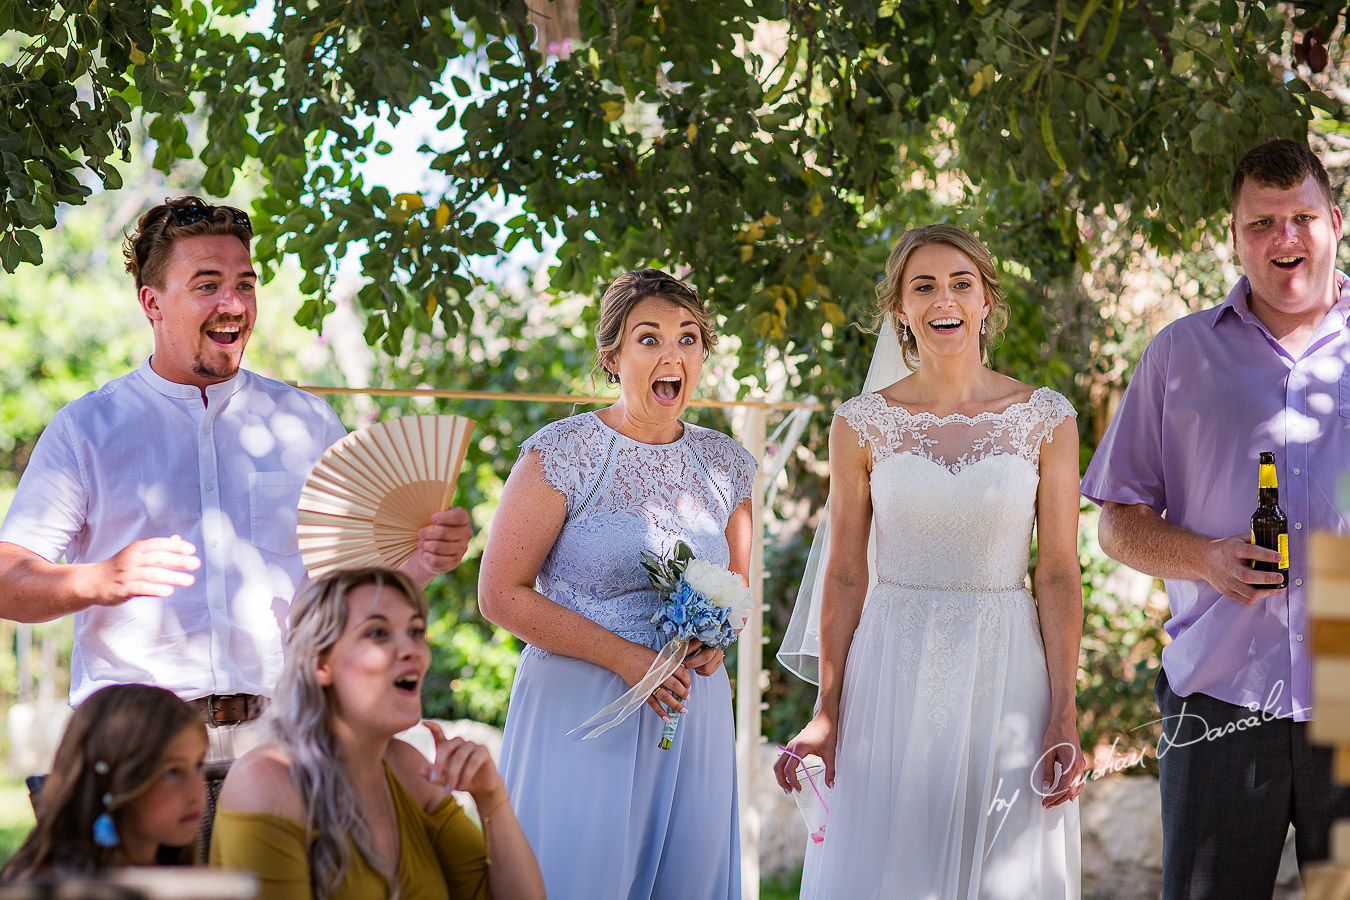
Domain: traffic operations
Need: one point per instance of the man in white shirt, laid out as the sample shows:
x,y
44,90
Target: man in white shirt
x,y
171,492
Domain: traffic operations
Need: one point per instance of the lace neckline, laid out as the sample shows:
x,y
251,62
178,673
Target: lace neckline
x,y
984,416
684,435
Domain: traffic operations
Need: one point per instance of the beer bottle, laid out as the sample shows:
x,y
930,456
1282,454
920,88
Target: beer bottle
x,y
1270,528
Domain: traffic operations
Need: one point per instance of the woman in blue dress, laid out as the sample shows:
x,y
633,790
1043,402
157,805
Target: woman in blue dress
x,y
614,816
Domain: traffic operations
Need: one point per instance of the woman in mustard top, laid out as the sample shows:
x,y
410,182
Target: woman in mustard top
x,y
335,808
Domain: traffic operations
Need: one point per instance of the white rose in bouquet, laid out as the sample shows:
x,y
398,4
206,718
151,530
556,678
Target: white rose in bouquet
x,y
722,587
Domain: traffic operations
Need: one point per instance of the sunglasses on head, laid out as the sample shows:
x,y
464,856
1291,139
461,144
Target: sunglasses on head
x,y
188,215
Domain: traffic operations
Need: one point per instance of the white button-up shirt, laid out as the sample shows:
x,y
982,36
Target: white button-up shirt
x,y
142,457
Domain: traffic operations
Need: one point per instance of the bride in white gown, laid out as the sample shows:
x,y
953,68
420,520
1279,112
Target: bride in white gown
x,y
946,716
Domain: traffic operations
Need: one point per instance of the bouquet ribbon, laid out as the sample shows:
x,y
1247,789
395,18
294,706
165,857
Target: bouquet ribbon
x,y
670,658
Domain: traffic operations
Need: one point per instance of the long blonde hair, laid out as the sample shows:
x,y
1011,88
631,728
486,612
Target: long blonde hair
x,y
300,720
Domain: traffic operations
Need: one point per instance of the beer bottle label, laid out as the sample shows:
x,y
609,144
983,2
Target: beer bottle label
x,y
1268,478
1284,551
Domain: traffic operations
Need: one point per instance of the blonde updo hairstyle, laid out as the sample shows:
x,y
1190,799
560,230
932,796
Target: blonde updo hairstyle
x,y
626,292
889,291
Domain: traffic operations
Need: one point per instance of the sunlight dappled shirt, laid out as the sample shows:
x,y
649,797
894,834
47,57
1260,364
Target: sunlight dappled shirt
x,y
142,457
1212,391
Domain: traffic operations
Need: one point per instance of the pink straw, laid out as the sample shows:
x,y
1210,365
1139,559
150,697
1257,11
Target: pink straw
x,y
809,777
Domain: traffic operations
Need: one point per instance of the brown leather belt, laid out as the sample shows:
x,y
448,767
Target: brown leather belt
x,y
229,709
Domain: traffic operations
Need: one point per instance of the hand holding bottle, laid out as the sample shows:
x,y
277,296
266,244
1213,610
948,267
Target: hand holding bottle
x,y
1227,566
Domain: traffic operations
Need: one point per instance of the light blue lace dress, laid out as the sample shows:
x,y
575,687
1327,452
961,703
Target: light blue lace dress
x,y
616,817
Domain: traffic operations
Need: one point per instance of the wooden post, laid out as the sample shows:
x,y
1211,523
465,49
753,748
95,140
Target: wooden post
x,y
556,25
23,652
1329,605
750,669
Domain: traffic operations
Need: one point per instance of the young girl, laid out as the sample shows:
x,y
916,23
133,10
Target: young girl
x,y
126,787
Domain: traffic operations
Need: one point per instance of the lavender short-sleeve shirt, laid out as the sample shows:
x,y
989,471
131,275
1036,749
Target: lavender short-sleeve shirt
x,y
1211,392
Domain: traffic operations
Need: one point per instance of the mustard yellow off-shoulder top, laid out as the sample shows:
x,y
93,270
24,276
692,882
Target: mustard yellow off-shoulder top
x,y
442,855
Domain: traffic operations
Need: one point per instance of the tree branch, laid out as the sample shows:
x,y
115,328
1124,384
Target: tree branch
x,y
1158,34
1054,40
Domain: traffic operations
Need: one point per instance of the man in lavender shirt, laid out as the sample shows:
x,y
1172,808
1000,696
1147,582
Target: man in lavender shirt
x,y
1176,476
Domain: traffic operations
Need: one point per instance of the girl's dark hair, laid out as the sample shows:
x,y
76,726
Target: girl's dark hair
x,y
130,728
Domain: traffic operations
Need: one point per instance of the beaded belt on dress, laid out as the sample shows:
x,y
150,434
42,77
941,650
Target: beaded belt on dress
x,y
964,588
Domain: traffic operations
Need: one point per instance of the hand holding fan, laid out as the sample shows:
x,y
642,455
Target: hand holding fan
x,y
369,493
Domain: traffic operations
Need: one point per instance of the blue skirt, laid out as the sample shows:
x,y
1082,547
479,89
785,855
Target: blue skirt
x,y
615,817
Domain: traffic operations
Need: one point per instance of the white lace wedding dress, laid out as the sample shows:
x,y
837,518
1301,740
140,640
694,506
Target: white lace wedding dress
x,y
946,693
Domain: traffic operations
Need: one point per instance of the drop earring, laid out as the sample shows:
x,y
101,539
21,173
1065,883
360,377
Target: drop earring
x,y
904,332
982,321
105,830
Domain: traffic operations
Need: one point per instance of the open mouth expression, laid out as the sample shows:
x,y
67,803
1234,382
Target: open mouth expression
x,y
1286,240
225,333
667,389
377,666
409,685
942,296
203,311
659,358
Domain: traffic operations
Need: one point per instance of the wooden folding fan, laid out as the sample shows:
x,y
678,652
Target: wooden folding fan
x,y
370,492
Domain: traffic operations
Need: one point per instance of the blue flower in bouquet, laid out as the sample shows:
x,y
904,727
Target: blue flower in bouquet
x,y
688,613
673,618
712,625
699,601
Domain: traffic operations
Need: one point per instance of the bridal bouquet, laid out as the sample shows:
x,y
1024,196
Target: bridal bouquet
x,y
699,601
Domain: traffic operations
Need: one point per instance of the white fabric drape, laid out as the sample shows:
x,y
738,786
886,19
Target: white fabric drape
x,y
800,651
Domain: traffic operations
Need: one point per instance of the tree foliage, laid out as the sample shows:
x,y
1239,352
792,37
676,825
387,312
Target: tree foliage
x,y
770,150
773,149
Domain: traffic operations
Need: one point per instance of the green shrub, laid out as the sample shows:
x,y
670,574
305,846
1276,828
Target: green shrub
x,y
1122,651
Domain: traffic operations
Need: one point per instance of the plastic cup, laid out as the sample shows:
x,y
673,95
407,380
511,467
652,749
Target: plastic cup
x,y
812,799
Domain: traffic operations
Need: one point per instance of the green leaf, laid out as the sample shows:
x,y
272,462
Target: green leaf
x,y
20,185
112,179
25,212
10,254
789,67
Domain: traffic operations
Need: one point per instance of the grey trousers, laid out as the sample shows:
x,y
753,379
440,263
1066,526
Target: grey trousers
x,y
1232,782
